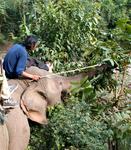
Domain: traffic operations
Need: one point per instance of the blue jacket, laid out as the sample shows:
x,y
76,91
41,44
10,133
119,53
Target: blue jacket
x,y
15,61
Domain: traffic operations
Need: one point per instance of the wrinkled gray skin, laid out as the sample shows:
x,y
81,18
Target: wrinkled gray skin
x,y
36,96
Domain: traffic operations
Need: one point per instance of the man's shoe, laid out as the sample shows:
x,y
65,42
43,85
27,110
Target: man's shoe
x,y
10,103
12,88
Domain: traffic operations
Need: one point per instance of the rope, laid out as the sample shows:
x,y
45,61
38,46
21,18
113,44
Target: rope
x,y
78,69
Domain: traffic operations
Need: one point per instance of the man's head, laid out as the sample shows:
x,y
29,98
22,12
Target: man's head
x,y
30,42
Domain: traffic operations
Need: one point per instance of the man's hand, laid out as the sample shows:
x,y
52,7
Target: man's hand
x,y
35,77
31,76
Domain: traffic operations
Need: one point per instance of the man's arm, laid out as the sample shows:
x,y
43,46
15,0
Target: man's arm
x,y
30,76
21,65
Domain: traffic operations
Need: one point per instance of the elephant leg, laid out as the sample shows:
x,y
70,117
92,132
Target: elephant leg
x,y
18,129
4,138
34,106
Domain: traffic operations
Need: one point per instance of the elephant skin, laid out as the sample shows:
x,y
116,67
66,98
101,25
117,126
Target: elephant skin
x,y
4,137
18,130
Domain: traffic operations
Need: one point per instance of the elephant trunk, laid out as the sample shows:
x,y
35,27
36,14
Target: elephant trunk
x,y
66,81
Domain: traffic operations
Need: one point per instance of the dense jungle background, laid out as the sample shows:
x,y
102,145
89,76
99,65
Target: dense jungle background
x,y
75,34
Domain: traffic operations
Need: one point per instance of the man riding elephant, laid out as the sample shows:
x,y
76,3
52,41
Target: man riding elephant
x,y
15,63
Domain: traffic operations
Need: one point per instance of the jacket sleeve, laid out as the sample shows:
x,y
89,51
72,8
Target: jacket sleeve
x,y
21,63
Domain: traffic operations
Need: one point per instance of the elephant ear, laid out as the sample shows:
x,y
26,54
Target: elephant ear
x,y
34,105
33,114
37,117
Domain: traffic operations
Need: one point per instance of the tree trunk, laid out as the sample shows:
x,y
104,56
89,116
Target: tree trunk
x,y
113,145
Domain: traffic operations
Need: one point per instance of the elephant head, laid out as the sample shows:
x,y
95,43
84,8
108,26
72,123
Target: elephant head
x,y
37,96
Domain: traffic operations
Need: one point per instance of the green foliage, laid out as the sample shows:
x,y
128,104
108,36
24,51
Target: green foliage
x,y
78,31
67,29
2,13
84,90
73,34
73,127
77,128
11,14
113,10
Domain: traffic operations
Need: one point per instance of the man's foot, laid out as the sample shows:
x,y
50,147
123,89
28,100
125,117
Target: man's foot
x,y
10,103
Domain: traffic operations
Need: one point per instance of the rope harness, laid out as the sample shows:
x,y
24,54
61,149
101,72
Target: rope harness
x,y
70,71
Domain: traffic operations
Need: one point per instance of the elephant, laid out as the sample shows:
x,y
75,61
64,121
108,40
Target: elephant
x,y
15,130
34,97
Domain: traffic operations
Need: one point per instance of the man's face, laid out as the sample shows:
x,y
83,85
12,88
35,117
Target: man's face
x,y
33,46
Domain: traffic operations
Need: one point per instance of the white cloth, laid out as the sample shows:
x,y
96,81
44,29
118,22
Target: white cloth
x,y
5,92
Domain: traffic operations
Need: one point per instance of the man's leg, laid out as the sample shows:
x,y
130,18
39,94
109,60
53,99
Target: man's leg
x,y
6,91
10,103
